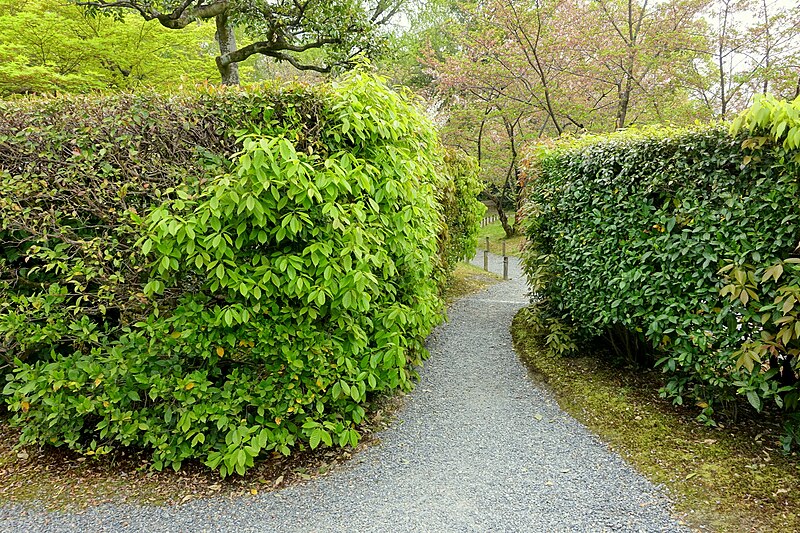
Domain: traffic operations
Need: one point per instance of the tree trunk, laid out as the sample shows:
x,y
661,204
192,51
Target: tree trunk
x,y
723,99
227,44
767,47
500,204
513,173
625,98
508,228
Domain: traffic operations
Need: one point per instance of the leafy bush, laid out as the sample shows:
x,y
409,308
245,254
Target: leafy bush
x,y
462,211
229,304
678,248
75,173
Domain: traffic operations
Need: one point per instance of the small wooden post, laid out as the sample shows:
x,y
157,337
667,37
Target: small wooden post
x,y
505,261
486,256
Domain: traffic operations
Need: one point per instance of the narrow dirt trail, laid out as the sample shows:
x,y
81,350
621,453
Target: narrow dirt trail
x,y
477,447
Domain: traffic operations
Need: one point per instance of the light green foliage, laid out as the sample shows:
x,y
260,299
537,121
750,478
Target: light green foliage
x,y
48,46
779,119
462,211
628,233
313,35
283,291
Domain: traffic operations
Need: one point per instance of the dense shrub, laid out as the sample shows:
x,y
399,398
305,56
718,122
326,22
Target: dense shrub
x,y
678,247
75,175
201,303
462,211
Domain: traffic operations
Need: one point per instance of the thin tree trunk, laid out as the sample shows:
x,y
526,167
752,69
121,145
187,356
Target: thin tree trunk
x,y
624,102
634,29
768,47
227,44
501,211
500,203
480,134
723,34
514,186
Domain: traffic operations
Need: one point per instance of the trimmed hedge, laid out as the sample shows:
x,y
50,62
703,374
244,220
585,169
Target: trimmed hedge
x,y
217,275
76,175
676,248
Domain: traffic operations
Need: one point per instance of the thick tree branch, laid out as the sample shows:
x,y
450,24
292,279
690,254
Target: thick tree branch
x,y
187,12
296,64
385,10
276,50
283,28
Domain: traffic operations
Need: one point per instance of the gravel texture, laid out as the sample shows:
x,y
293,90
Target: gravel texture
x,y
477,447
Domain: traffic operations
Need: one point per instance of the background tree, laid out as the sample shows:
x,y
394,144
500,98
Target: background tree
x,y
47,45
774,48
637,54
284,30
754,48
493,134
521,69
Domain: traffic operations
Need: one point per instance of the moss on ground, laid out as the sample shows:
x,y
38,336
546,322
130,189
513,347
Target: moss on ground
x,y
728,479
468,279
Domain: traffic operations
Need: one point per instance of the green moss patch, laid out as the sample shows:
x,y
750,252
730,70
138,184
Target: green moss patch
x,y
468,279
729,478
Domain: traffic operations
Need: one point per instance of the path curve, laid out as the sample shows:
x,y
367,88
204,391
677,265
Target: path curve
x,y
477,447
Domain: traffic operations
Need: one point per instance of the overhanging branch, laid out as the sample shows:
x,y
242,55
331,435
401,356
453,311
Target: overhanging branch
x,y
278,51
296,64
187,12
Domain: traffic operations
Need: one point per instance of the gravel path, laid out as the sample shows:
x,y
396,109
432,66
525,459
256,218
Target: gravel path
x,y
477,447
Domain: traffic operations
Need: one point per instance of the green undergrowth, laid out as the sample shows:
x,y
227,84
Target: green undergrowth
x,y
58,479
496,238
729,478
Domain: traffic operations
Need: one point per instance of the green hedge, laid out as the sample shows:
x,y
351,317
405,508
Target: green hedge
x,y
675,248
216,275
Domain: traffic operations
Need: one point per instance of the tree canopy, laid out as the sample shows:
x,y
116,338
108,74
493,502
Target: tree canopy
x,y
47,46
285,30
501,73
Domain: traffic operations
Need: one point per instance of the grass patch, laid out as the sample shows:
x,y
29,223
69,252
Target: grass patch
x,y
497,236
57,479
731,478
468,279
